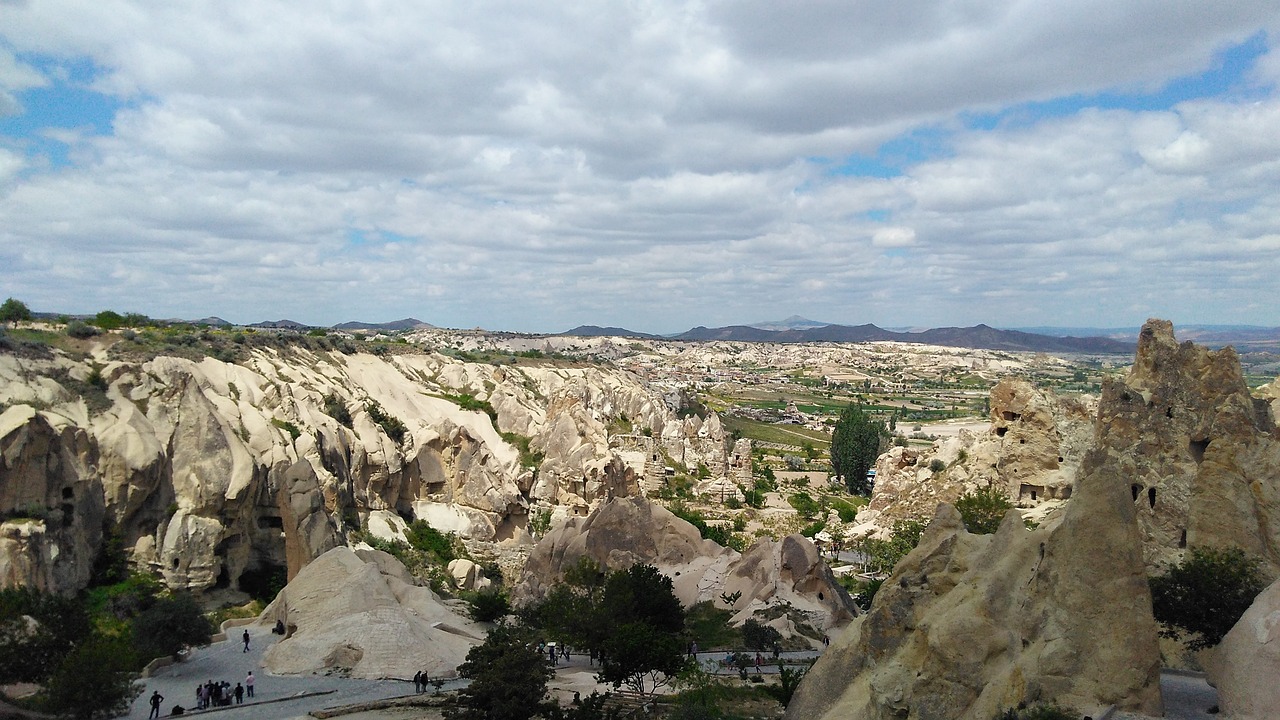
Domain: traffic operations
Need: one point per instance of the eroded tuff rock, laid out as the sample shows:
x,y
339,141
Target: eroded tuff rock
x,y
358,613
1198,454
51,508
1246,663
1031,451
626,531
210,469
968,625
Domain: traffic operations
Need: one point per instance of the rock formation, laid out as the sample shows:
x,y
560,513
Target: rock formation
x,y
1031,451
968,625
627,531
358,614
210,469
1246,663
51,507
1199,455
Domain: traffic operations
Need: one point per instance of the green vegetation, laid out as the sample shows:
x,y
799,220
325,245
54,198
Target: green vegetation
x,y
856,442
1204,596
529,457
630,618
488,605
335,408
86,650
508,678
390,424
709,626
467,401
287,426
715,533
757,636
983,509
14,311
1038,711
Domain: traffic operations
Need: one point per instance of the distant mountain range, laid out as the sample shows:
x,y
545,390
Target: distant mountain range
x,y
405,324
979,337
597,331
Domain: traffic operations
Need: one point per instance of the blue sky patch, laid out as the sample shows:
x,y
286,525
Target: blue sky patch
x,y
66,103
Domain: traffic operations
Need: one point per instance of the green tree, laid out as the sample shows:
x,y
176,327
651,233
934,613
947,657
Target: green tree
x,y
108,320
488,605
983,509
168,625
757,636
93,681
856,442
37,631
508,678
14,311
644,644
1205,595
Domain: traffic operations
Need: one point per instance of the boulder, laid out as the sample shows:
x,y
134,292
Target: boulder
x,y
358,615
1247,661
968,625
787,576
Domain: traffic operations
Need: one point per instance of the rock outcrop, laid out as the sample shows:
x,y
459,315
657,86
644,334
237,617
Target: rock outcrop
x,y
1247,661
51,506
968,625
358,614
1031,451
788,574
1199,455
209,470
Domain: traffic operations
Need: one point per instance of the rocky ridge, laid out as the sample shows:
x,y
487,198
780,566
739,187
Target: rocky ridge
x,y
1031,452
209,469
786,575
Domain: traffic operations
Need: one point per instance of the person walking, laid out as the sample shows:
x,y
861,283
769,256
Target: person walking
x,y
248,684
417,682
156,699
239,692
246,641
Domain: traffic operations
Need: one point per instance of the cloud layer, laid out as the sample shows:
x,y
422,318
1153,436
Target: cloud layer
x,y
651,165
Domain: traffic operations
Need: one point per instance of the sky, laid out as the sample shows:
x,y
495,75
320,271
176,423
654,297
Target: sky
x,y
649,165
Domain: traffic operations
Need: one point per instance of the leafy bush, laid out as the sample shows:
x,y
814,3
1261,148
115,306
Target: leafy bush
x,y
287,426
983,509
1205,595
168,625
390,424
753,498
335,408
80,330
758,636
805,505
488,605
936,465
440,547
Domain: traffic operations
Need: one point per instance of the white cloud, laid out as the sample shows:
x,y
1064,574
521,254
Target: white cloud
x,y
652,165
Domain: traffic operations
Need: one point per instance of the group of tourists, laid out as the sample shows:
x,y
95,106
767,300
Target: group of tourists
x,y
221,694
554,651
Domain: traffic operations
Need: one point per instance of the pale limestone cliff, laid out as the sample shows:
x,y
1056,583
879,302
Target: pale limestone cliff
x,y
771,575
968,625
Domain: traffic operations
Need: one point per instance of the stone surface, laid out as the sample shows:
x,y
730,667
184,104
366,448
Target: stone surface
x,y
627,531
1031,451
209,469
968,625
356,614
1247,662
1199,455
51,501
